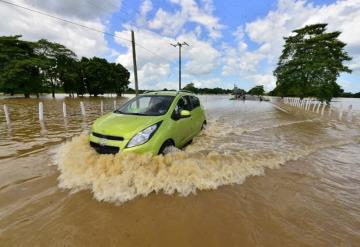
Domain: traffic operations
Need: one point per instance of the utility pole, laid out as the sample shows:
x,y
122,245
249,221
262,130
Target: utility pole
x,y
179,45
134,62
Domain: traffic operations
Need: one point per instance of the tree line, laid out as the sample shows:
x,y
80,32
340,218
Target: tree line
x,y
191,87
46,67
257,90
349,95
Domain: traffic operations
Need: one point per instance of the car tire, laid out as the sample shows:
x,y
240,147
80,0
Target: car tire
x,y
166,147
203,126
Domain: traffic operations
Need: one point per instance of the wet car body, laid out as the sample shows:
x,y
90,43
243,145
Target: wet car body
x,y
150,122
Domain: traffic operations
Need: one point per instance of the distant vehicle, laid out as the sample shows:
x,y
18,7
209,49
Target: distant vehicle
x,y
151,122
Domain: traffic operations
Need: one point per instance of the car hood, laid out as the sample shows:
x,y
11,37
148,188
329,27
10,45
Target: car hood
x,y
115,124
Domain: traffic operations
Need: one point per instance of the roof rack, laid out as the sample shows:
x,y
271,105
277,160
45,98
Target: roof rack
x,y
185,91
154,91
178,91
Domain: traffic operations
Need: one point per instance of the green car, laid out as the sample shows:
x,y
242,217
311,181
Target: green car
x,y
151,122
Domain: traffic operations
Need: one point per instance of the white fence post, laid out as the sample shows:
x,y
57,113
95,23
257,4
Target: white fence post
x,y
318,107
64,110
41,111
313,109
350,115
323,109
7,115
82,108
341,112
102,107
114,105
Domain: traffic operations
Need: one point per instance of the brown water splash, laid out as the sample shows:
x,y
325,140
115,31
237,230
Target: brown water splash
x,y
123,177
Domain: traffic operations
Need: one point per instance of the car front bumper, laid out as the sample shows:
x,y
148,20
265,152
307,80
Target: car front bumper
x,y
104,146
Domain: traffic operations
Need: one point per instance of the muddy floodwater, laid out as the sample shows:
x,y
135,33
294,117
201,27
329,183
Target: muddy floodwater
x,y
258,175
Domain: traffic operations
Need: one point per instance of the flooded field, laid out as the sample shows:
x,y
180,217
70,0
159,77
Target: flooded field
x,y
258,175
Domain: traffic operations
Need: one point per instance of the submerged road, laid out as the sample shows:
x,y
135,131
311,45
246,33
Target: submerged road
x,y
257,176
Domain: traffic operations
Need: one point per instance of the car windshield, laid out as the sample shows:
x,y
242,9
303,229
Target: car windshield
x,y
147,105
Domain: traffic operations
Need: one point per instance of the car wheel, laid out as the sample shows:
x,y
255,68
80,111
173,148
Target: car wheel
x,y
166,147
203,126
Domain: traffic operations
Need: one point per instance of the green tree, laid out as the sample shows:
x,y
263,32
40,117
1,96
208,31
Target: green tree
x,y
70,74
119,78
99,76
54,57
190,87
257,90
35,67
19,67
96,75
310,63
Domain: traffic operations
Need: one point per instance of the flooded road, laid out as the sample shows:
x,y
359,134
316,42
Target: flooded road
x,y
257,176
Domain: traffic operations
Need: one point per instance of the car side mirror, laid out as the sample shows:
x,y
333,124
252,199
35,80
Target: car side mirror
x,y
185,114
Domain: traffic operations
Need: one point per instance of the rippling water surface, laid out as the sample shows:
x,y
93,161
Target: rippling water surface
x,y
259,175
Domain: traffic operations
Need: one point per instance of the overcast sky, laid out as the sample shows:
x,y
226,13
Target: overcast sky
x,y
231,42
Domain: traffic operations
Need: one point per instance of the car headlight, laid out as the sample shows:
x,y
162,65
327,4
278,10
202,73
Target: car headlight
x,y
143,136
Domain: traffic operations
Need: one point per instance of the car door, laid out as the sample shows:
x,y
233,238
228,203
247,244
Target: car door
x,y
196,116
182,126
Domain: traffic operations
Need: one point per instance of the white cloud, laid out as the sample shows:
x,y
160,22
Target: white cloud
x,y
168,23
200,58
152,68
171,23
263,79
35,26
86,10
268,33
145,8
158,44
155,29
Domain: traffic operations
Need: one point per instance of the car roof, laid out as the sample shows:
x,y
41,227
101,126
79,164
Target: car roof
x,y
168,93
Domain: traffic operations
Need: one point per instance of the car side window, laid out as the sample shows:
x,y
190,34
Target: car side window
x,y
195,102
188,99
182,104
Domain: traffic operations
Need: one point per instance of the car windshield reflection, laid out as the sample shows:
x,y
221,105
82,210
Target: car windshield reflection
x,y
147,105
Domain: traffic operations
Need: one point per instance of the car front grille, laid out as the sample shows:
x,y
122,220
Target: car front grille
x,y
104,149
114,138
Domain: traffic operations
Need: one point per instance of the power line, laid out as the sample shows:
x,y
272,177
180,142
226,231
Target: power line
x,y
81,25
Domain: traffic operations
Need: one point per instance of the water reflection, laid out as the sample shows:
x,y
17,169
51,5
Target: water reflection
x,y
66,124
43,130
25,126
